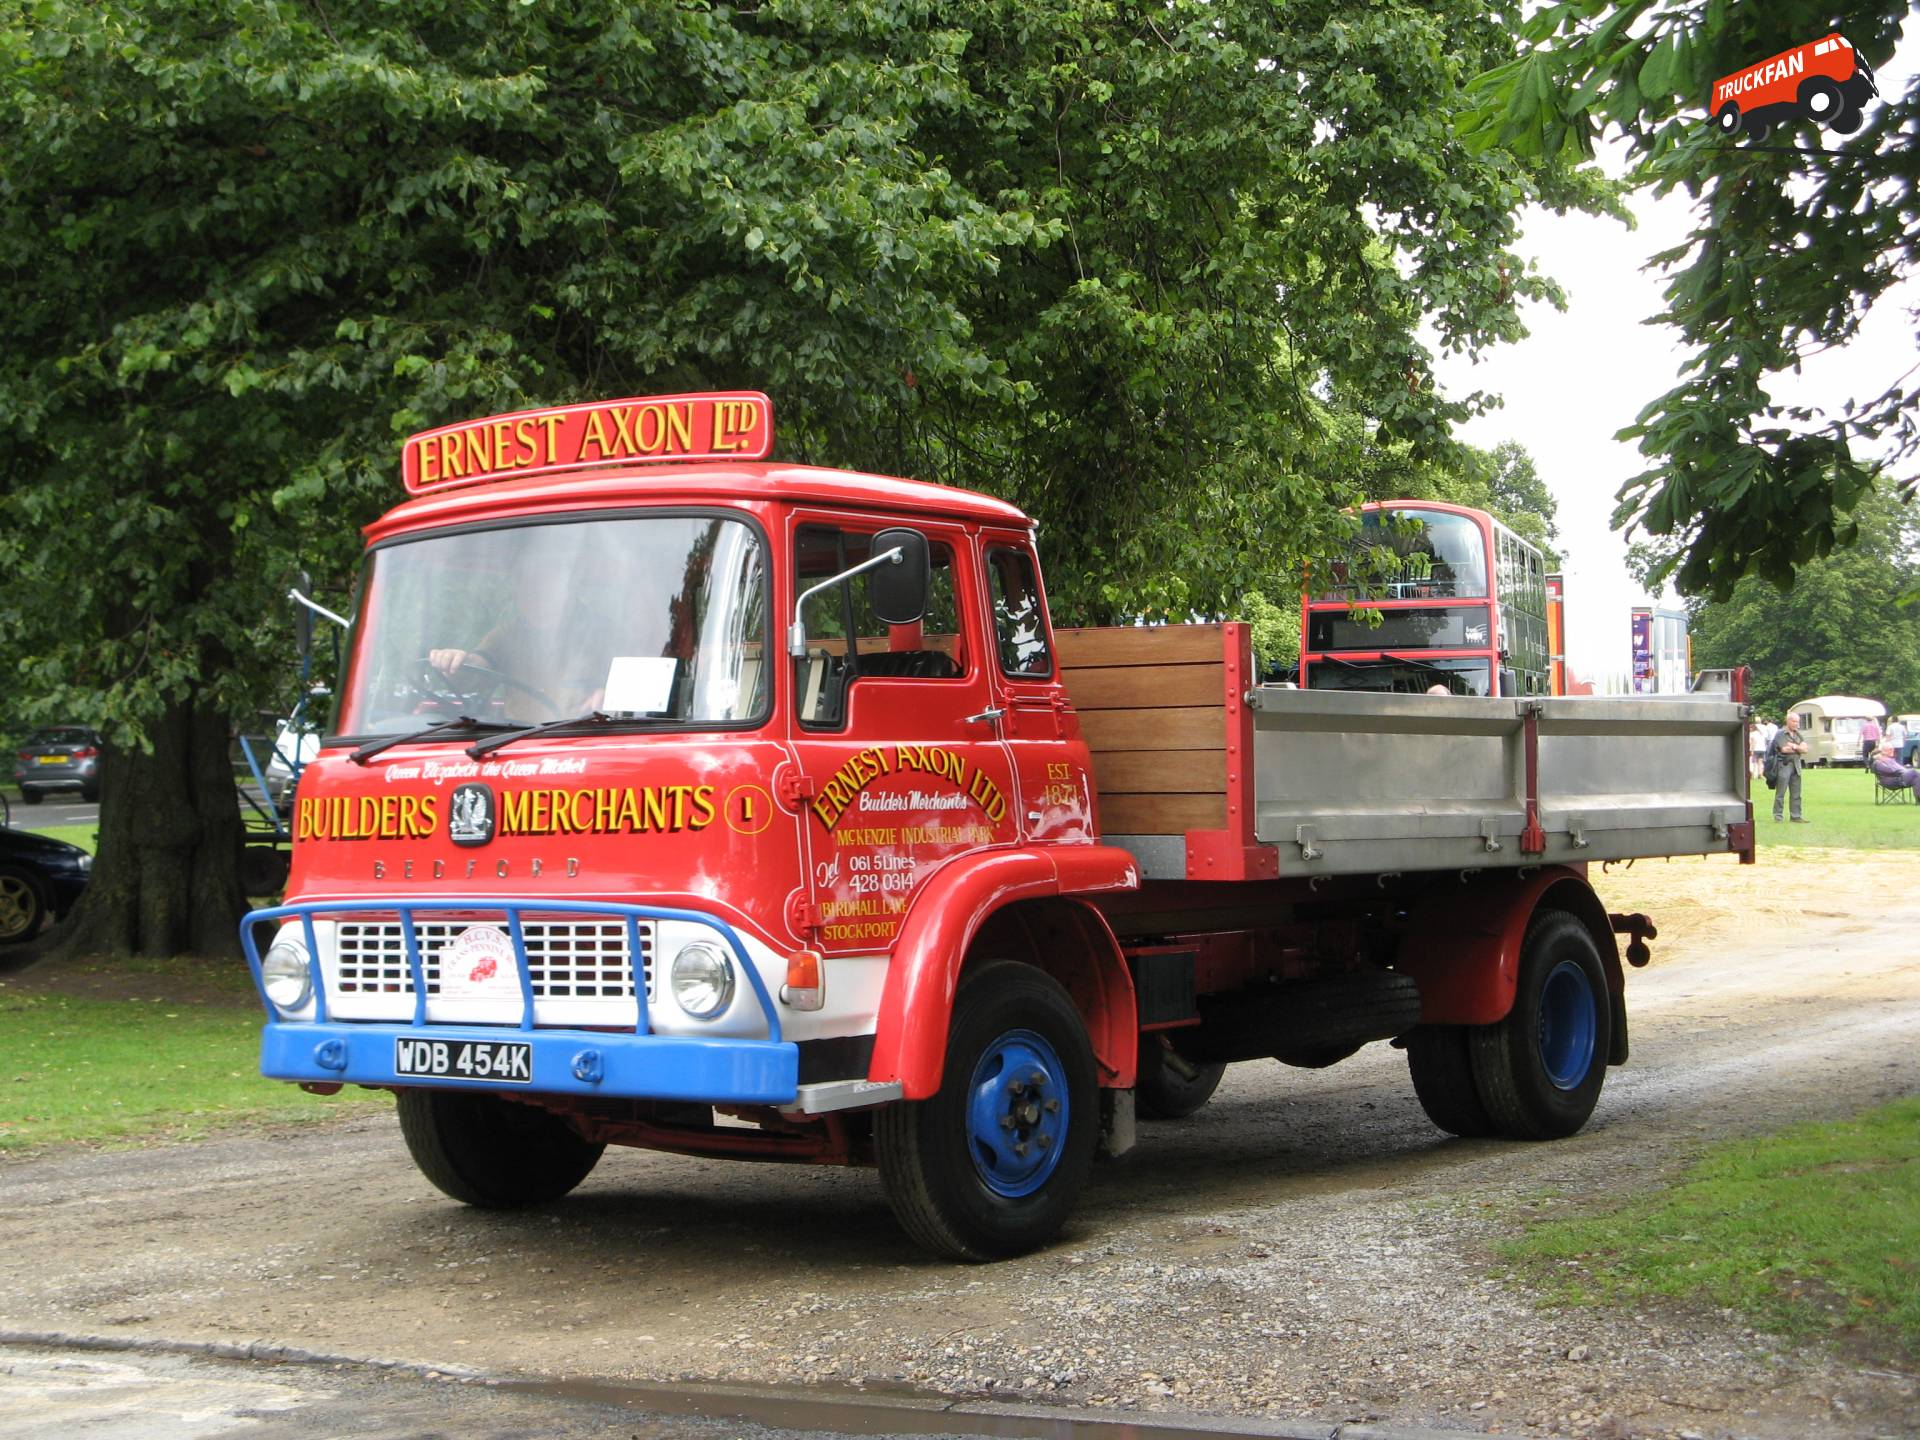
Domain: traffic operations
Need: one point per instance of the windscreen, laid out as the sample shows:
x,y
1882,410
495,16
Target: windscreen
x,y
655,619
1402,677
1412,554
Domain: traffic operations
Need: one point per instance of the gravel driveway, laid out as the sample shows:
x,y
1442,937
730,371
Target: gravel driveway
x,y
1307,1246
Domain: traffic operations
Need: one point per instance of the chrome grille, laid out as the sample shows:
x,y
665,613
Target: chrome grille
x,y
566,959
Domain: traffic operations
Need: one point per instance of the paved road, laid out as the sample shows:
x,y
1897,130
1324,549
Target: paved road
x,y
50,1391
61,809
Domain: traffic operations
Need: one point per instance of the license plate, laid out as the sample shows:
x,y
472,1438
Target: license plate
x,y
52,759
508,1062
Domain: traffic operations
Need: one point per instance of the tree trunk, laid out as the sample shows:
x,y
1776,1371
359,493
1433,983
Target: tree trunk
x,y
166,880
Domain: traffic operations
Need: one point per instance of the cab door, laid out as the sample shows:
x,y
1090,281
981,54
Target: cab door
x,y
1052,771
901,759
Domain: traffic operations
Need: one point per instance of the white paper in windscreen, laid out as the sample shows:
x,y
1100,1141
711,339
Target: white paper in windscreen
x,y
639,684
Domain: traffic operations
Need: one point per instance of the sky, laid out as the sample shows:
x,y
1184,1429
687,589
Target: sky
x,y
1584,373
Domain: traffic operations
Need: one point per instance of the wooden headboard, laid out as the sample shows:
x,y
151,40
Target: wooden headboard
x,y
1152,705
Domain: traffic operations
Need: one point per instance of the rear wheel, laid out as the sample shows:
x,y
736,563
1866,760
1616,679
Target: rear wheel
x,y
1539,1071
991,1165
1728,119
30,795
1442,1067
1172,1087
22,907
1848,119
490,1152
1820,100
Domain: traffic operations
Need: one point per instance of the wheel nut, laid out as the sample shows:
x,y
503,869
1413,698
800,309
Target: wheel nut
x,y
1021,1148
1014,1087
1006,1122
1052,1107
1043,1140
1037,1079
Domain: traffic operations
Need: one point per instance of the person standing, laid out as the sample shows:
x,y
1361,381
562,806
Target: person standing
x,y
1758,733
1869,738
1784,753
1897,737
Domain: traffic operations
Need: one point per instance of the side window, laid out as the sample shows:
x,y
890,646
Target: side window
x,y
846,641
1019,618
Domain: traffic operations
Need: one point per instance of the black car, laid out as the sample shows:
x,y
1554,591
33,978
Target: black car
x,y
65,757
39,876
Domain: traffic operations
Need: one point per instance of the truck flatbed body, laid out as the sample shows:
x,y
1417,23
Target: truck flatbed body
x,y
1271,782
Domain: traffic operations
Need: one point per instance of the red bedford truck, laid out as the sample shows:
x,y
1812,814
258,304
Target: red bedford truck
x,y
684,800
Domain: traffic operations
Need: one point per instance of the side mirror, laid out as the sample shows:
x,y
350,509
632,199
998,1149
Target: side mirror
x,y
303,617
898,592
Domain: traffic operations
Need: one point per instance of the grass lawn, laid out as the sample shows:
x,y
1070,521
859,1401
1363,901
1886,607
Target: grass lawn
x,y
1840,812
124,1050
81,835
1810,1231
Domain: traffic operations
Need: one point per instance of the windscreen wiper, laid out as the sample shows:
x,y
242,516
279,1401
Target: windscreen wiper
x,y
492,743
386,742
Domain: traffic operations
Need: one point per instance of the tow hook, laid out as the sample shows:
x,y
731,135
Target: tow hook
x,y
1642,930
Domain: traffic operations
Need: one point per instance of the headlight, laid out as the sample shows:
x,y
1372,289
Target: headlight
x,y
287,979
85,862
702,980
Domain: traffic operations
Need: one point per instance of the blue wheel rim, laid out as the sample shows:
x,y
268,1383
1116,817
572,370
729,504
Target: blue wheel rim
x,y
1569,1024
1017,1114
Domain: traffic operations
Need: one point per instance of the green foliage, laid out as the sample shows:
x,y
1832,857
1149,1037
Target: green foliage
x,y
1794,242
91,1069
1099,259
1813,1230
1837,631
1154,272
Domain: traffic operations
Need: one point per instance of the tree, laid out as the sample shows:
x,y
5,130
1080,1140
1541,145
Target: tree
x,y
1837,631
1154,272
1795,240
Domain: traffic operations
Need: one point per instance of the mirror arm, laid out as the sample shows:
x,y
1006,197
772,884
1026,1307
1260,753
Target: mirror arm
x,y
320,610
797,633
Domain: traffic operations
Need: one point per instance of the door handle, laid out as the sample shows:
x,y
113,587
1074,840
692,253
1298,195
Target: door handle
x,y
991,713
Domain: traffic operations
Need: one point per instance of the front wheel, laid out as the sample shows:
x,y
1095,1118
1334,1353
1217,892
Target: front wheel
x,y
490,1152
991,1165
1539,1071
22,907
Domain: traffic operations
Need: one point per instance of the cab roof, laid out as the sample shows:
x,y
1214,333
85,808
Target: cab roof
x,y
702,483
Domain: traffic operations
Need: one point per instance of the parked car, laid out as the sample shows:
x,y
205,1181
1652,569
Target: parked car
x,y
39,876
65,757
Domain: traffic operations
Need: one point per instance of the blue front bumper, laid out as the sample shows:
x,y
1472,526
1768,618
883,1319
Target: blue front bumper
x,y
631,1064
565,1062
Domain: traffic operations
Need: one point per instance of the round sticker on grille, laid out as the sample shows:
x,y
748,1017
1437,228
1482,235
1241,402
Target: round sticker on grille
x,y
478,961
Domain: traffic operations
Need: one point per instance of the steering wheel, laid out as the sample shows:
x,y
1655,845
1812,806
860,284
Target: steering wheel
x,y
445,690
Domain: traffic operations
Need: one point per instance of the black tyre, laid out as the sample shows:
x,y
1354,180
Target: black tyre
x,y
90,793
1728,119
263,869
1442,1070
1540,1070
1847,120
490,1152
1757,128
1170,1086
23,908
991,1165
1820,100
32,797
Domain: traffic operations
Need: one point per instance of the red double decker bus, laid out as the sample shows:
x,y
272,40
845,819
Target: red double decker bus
x,y
1461,602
